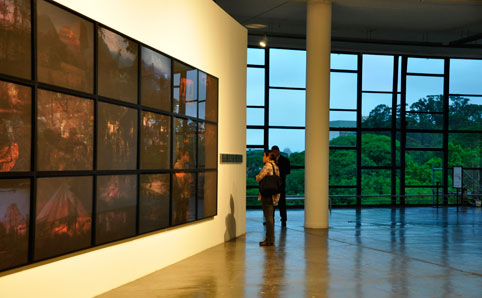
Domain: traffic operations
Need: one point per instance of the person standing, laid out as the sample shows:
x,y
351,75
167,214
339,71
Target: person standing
x,y
284,166
268,202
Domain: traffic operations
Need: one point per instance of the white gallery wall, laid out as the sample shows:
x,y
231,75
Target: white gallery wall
x,y
199,33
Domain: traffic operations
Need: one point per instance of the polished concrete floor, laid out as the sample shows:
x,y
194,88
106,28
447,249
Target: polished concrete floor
x,y
415,252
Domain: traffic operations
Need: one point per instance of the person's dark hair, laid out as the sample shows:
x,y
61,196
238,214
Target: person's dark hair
x,y
270,154
275,148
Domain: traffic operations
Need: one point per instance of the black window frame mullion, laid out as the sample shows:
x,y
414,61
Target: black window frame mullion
x,y
359,131
445,140
393,141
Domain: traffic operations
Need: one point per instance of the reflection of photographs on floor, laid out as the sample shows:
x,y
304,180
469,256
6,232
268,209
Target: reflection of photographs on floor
x,y
14,127
63,220
116,208
14,207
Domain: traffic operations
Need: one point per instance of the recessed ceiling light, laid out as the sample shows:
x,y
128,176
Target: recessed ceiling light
x,y
255,26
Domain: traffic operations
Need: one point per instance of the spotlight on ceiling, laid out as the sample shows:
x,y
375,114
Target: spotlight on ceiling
x,y
263,42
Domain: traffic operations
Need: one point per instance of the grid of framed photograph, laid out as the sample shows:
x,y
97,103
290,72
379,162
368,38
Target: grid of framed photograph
x,y
101,137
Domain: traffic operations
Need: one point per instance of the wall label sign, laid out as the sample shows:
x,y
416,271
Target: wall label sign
x,y
231,158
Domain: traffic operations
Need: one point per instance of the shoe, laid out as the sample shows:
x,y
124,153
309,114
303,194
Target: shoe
x,y
264,223
265,243
283,223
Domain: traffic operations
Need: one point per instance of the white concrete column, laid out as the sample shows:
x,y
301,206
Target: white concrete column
x,y
318,48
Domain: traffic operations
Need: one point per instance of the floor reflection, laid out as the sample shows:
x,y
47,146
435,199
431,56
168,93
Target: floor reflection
x,y
412,252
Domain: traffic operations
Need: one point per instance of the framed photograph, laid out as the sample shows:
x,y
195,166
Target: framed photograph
x,y
207,195
65,48
184,149
15,127
65,132
15,29
117,69
183,197
155,141
116,208
116,137
153,202
207,146
155,80
185,91
63,216
14,222
208,97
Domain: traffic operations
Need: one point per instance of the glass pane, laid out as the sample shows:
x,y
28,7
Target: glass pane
x,y
376,149
343,138
421,167
377,73
155,141
183,198
398,152
208,146
295,182
288,140
208,97
465,76
15,127
342,167
399,84
63,218
424,140
255,116
254,137
255,87
15,28
254,164
116,208
465,113
14,223
184,150
424,94
116,137
343,196
376,187
344,61
465,149
425,65
287,68
65,132
155,80
185,89
207,195
153,202
424,121
343,90
117,66
65,45
256,56
342,119
376,110
418,195
287,107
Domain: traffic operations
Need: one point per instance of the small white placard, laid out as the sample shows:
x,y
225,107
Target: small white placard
x,y
457,177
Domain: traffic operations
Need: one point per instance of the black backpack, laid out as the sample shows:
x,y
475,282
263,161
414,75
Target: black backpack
x,y
270,184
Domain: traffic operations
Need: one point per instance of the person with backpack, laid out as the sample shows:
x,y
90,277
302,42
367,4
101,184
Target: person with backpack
x,y
270,186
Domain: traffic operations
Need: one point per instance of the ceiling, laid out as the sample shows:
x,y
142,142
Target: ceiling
x,y
423,27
